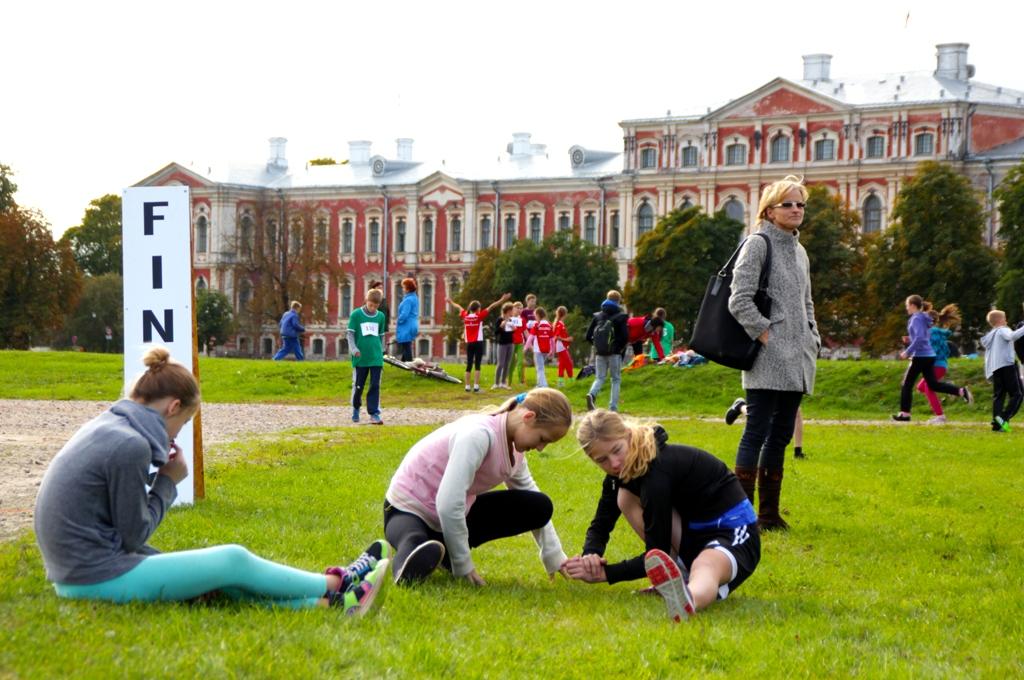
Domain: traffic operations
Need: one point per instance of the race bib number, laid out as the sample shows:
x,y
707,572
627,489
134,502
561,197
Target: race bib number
x,y
368,328
517,321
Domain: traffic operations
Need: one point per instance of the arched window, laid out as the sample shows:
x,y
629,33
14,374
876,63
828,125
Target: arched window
x,y
244,295
734,210
689,157
924,144
644,219
268,346
342,346
202,227
825,150
200,284
374,246
510,231
613,237
736,154
245,237
590,227
271,239
427,301
346,236
423,347
876,147
780,152
485,231
535,227
345,305
428,235
456,243
452,348
296,236
400,235
648,157
872,211
321,236
687,203
318,347
563,221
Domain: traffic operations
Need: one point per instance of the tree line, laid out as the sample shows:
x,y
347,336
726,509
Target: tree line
x,y
56,290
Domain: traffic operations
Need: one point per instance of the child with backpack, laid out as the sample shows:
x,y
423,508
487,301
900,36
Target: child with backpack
x,y
608,333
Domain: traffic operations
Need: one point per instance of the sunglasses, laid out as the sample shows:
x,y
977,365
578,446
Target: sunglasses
x,y
790,204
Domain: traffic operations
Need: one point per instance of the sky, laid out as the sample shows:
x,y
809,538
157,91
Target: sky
x,y
96,96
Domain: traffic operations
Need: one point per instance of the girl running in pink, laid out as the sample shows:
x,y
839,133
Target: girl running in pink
x,y
944,322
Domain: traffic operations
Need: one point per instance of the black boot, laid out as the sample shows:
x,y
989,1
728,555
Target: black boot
x,y
770,483
748,480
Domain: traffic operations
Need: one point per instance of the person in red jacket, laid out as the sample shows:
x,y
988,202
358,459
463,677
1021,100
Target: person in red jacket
x,y
562,340
642,328
473,318
542,333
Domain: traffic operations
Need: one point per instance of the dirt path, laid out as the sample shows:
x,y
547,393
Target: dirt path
x,y
32,432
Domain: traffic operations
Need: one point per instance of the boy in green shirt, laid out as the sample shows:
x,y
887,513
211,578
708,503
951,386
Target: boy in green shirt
x,y
365,341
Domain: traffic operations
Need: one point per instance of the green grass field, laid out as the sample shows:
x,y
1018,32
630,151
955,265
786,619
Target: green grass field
x,y
904,560
845,389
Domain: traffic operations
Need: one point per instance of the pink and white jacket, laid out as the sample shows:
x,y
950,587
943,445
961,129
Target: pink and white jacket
x,y
443,473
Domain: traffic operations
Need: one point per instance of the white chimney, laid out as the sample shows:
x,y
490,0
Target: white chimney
x,y
520,143
278,160
817,66
359,152
404,148
951,61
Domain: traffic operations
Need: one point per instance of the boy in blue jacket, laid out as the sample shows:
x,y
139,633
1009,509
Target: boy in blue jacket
x,y
291,329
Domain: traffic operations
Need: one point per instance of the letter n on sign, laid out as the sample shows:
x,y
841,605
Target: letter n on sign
x,y
157,238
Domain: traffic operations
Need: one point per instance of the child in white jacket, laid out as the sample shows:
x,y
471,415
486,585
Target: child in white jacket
x,y
1001,369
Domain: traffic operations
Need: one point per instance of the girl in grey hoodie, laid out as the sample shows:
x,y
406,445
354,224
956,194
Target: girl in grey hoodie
x,y
94,515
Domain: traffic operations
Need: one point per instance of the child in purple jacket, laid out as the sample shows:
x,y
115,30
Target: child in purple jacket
x,y
922,359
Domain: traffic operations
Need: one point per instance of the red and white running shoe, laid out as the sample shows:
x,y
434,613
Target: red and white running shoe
x,y
667,579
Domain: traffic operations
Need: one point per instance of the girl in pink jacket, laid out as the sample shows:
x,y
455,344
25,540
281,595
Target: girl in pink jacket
x,y
440,503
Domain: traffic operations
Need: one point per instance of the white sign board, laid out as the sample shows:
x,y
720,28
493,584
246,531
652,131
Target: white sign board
x,y
157,244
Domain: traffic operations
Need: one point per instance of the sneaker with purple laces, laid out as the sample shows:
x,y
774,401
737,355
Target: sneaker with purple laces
x,y
357,570
357,598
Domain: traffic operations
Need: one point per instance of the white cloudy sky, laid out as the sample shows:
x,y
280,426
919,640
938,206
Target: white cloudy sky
x,y
97,95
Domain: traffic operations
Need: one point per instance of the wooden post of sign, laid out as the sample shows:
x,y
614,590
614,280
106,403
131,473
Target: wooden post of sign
x,y
198,475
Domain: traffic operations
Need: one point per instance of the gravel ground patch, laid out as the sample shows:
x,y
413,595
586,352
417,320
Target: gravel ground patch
x,y
32,432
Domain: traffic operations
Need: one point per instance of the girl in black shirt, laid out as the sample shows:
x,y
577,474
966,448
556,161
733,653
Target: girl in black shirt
x,y
686,504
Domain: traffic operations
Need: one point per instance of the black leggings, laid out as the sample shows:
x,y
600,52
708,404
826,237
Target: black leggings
x,y
1006,389
495,514
771,419
474,354
924,367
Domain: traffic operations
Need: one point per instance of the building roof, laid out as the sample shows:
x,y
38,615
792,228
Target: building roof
x,y
912,87
1011,150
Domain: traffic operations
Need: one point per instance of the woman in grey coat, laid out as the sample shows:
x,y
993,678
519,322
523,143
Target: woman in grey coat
x,y
784,370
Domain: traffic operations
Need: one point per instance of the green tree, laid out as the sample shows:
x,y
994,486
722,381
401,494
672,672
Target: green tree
x,y
561,270
39,280
830,235
96,242
675,260
1010,285
323,161
934,249
100,306
214,317
7,188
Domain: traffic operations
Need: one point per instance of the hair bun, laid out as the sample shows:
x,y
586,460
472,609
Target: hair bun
x,y
156,358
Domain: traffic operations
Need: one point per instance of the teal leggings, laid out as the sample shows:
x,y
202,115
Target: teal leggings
x,y
231,569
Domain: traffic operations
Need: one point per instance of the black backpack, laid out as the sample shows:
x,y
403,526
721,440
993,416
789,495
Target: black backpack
x,y
604,334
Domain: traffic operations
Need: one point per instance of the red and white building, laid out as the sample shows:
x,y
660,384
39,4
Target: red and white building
x,y
388,218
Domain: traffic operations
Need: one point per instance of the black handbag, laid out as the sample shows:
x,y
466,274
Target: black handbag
x,y
717,335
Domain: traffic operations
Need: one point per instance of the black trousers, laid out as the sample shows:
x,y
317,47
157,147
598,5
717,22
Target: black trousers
x,y
406,349
925,368
495,514
771,418
1006,387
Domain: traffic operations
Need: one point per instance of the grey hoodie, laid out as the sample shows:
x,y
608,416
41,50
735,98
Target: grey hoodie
x,y
998,344
787,362
93,513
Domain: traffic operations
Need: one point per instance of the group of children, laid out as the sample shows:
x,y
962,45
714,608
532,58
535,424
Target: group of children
x,y
927,348
98,506
519,329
